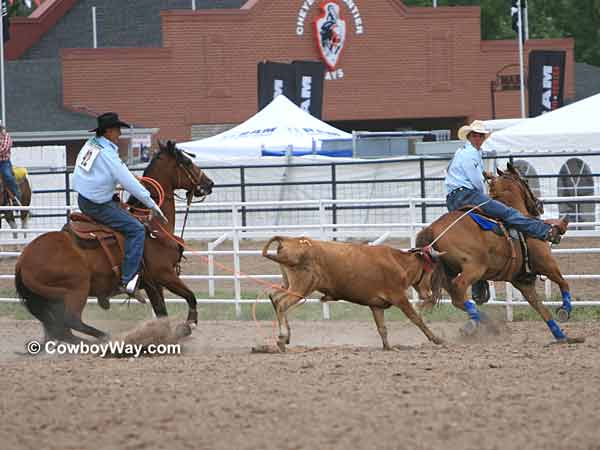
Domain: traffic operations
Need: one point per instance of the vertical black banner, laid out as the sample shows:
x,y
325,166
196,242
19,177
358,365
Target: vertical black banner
x,y
274,79
310,76
5,21
546,81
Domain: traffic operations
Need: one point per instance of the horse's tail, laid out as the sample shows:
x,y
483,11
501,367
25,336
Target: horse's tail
x,y
438,278
43,309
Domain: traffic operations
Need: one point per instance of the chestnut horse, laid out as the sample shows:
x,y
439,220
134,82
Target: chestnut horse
x,y
9,215
54,275
488,256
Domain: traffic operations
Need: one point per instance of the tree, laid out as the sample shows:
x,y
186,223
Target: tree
x,y
548,19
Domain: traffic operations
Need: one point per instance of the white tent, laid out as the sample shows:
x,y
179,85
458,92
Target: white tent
x,y
280,128
574,127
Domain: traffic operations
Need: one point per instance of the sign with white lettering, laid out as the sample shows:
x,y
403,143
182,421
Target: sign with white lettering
x,y
546,81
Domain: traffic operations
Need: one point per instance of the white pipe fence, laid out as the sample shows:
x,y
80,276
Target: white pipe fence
x,y
323,230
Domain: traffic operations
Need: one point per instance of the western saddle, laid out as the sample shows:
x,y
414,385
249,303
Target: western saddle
x,y
92,234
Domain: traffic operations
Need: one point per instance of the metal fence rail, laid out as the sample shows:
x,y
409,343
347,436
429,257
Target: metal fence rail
x,y
389,178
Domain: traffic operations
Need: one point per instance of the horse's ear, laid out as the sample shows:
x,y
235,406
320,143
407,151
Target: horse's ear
x,y
171,146
510,167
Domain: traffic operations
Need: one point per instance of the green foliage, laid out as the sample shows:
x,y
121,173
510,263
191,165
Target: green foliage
x,y
548,19
19,8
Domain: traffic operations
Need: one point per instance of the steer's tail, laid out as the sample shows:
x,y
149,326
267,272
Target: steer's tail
x,y
290,251
439,277
272,257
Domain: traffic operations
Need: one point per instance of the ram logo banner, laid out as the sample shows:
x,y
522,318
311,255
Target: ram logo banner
x,y
330,32
546,81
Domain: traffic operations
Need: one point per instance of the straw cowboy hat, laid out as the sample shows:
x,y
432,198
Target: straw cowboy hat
x,y
476,126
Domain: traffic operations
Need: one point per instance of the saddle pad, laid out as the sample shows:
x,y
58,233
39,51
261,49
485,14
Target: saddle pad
x,y
489,225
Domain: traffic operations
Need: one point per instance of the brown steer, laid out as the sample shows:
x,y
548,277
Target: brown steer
x,y
376,276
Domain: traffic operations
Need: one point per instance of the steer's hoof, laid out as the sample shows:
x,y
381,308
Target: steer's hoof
x,y
562,314
281,346
470,328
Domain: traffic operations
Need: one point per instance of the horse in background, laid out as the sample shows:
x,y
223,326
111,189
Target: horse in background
x,y
57,272
7,199
485,255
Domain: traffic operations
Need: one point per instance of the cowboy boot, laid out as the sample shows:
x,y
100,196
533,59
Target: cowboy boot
x,y
557,229
131,289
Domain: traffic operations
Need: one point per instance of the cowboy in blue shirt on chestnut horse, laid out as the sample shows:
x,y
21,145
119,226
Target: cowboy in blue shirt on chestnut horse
x,y
98,170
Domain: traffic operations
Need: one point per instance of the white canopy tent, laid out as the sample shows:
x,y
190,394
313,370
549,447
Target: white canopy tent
x,y
574,127
280,128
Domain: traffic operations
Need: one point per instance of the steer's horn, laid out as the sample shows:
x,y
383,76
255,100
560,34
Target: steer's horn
x,y
434,253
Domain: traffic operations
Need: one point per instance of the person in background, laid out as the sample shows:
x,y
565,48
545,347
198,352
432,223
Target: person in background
x,y
6,168
98,170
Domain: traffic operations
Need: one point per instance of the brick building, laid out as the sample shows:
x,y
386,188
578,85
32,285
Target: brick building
x,y
192,73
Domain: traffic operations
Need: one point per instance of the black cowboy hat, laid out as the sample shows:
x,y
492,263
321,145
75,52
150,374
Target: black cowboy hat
x,y
109,120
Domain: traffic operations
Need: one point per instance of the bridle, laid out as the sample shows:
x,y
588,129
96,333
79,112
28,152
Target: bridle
x,y
195,180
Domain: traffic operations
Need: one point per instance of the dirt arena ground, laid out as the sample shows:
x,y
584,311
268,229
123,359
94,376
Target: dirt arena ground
x,y
335,389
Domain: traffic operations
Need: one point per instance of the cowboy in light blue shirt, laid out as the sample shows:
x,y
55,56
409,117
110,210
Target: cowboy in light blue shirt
x,y
98,170
465,187
466,170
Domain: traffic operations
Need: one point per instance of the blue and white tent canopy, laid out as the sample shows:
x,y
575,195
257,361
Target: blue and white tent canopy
x,y
280,128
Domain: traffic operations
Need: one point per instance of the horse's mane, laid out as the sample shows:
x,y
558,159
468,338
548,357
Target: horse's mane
x,y
531,201
181,156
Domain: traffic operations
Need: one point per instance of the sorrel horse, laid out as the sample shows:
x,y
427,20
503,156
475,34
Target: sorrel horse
x,y
5,200
55,274
488,256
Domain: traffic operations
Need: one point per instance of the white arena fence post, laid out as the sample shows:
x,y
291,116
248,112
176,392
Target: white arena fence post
x,y
325,309
509,299
548,288
236,261
211,262
412,214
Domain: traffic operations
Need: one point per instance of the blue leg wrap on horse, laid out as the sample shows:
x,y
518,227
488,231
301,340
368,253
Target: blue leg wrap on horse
x,y
472,310
556,331
566,297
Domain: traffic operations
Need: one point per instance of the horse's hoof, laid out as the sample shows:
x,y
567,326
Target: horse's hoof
x,y
568,340
562,314
439,341
469,328
192,318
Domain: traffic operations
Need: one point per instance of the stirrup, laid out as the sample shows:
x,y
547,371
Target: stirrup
x,y
131,289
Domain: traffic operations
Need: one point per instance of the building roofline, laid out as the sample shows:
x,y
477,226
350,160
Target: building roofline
x,y
72,135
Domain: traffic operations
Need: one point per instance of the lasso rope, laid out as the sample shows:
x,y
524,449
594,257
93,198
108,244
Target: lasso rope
x,y
456,221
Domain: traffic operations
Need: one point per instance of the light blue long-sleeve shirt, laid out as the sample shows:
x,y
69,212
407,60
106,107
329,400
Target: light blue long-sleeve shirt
x,y
97,181
465,170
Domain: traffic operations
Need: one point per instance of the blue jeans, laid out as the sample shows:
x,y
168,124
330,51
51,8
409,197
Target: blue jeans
x,y
8,176
510,216
111,215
